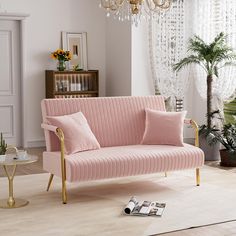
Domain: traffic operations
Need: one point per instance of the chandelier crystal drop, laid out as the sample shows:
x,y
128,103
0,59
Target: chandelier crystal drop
x,y
134,10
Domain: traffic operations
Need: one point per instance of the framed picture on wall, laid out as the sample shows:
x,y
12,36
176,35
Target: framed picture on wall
x,y
76,43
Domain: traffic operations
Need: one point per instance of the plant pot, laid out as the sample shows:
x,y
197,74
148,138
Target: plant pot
x,y
211,152
227,158
2,158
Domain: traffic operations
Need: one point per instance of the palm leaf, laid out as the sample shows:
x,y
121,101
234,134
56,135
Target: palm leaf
x,y
216,71
219,41
192,59
196,46
229,63
225,57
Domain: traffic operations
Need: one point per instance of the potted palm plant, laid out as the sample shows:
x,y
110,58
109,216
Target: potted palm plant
x,y
211,57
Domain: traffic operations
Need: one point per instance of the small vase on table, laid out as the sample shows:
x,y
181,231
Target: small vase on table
x,y
61,65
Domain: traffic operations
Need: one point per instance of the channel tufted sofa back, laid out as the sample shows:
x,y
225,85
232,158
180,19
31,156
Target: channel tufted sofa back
x,y
115,121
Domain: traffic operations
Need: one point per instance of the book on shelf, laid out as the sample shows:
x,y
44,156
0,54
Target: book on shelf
x,y
144,208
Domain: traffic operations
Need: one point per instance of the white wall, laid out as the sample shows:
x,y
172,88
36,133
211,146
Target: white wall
x,y
127,61
118,58
142,82
43,33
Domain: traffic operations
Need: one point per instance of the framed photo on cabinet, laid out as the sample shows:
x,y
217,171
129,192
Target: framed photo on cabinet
x,y
76,43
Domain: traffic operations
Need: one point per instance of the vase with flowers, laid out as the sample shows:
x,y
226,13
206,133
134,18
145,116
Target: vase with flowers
x,y
62,56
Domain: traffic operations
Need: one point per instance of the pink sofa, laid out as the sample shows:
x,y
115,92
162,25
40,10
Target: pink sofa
x,y
118,124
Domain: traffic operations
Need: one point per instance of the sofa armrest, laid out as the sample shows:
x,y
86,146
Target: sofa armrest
x,y
49,127
60,135
194,125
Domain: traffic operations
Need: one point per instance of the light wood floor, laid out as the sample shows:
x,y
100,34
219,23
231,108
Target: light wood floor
x,y
224,229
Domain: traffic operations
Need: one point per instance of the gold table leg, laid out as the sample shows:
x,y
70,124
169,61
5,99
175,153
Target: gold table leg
x,y
11,202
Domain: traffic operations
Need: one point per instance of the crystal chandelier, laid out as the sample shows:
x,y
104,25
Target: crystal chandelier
x,y
134,10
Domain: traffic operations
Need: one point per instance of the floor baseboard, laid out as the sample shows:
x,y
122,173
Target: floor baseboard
x,y
36,144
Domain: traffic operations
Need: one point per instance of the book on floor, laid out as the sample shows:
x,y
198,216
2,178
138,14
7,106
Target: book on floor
x,y
144,208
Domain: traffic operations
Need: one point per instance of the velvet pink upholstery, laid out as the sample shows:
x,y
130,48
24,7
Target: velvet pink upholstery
x,y
110,162
164,128
118,124
49,127
78,135
115,121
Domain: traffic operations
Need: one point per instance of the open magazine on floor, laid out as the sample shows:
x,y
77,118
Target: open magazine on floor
x,y
144,208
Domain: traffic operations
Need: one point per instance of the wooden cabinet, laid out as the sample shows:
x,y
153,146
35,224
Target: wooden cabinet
x,y
71,84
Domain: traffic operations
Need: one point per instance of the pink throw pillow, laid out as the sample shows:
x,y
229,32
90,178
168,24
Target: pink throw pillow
x,y
78,135
164,128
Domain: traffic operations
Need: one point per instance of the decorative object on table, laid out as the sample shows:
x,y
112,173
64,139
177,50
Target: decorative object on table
x,y
21,155
212,57
134,10
76,43
76,67
3,148
12,153
62,56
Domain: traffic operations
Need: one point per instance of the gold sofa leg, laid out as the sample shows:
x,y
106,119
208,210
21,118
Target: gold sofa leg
x,y
64,195
165,174
198,176
60,135
50,182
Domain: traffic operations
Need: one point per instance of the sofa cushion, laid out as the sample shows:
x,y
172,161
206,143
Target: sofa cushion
x,y
78,135
109,162
163,128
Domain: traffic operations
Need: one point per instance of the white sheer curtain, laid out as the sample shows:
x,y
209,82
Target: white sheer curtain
x,y
212,17
167,46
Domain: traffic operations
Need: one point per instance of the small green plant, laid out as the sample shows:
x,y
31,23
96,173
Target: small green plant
x,y
76,68
3,146
226,136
